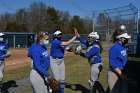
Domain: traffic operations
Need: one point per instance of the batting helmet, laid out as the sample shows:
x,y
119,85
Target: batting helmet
x,y
93,35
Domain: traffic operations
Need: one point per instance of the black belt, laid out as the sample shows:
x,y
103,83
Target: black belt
x,y
1,59
57,57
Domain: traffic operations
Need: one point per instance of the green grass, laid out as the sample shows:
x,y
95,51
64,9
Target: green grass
x,y
29,90
17,74
77,72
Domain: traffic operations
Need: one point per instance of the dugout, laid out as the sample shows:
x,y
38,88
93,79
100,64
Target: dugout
x,y
19,39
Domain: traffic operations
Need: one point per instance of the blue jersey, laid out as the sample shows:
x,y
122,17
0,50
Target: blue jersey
x,y
93,51
57,51
117,56
41,60
3,50
30,50
83,41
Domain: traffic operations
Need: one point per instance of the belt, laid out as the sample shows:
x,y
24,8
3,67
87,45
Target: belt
x,y
57,57
1,60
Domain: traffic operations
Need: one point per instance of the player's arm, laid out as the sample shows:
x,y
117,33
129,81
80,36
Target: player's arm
x,y
71,40
82,54
37,64
82,40
69,48
8,54
112,59
68,42
113,62
90,53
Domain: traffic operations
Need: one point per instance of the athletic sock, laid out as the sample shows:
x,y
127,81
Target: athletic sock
x,y
62,86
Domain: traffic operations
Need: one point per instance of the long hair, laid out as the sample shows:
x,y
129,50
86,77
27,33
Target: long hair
x,y
116,33
100,45
39,36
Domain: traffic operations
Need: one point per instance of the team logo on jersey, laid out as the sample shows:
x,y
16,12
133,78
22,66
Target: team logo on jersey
x,y
123,52
2,48
45,54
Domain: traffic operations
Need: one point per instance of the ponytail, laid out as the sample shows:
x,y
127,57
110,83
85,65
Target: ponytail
x,y
100,45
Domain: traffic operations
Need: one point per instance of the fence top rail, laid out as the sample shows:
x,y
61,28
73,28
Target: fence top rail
x,y
17,33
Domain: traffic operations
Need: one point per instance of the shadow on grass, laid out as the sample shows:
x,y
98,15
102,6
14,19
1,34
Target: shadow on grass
x,y
7,85
132,71
77,87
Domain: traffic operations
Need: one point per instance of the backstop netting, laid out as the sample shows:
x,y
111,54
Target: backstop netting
x,y
106,21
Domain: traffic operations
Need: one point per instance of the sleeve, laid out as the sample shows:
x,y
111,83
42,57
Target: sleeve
x,y
57,43
92,52
30,50
7,51
6,47
83,40
36,59
112,58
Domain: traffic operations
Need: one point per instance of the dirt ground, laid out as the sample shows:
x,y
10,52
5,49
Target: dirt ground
x,y
19,59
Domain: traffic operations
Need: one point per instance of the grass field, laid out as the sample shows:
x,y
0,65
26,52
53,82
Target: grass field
x,y
77,73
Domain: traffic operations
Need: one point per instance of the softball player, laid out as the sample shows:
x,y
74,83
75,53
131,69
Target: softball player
x,y
94,49
57,61
41,63
4,53
117,61
30,53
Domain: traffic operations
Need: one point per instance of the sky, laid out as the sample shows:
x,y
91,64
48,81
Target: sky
x,y
74,7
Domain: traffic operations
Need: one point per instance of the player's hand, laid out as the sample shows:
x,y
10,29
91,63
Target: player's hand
x,y
77,50
54,84
76,32
123,76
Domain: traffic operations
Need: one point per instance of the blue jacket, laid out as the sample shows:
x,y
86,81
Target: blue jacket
x,y
56,49
41,59
30,50
3,50
93,51
117,56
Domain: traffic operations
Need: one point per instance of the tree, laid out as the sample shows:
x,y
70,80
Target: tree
x,y
78,23
21,20
65,21
88,24
12,27
55,19
4,19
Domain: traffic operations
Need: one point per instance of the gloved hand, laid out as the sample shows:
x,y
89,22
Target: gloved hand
x,y
54,84
77,50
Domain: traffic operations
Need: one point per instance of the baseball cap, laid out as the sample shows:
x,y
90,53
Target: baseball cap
x,y
57,33
1,34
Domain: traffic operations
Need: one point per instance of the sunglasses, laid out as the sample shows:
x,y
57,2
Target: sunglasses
x,y
45,33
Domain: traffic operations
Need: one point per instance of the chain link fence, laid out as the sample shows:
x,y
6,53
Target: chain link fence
x,y
106,21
